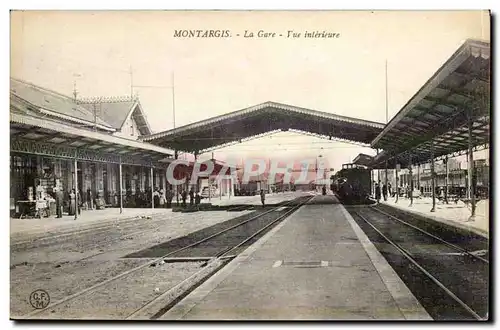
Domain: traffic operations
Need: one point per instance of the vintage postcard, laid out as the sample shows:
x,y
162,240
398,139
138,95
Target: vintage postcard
x,y
250,165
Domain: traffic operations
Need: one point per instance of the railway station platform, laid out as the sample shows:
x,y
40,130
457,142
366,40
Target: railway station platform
x,y
455,215
315,265
273,198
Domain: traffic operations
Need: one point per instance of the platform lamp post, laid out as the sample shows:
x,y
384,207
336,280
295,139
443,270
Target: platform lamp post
x,y
433,178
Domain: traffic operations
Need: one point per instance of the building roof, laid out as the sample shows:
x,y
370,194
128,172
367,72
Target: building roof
x,y
116,110
54,104
441,109
363,159
260,119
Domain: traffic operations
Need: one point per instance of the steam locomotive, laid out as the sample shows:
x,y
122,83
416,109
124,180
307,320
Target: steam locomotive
x,y
352,184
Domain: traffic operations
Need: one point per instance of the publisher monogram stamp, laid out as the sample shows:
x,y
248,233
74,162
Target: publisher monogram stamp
x,y
39,299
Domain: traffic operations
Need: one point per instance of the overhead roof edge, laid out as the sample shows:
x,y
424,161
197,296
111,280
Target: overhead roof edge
x,y
471,47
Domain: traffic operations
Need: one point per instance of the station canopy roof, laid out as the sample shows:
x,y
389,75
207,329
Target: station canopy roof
x,y
261,119
34,129
440,111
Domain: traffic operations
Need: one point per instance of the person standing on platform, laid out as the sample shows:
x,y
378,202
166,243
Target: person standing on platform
x,y
170,197
384,192
191,196
262,197
156,197
90,205
197,198
184,198
72,202
389,188
79,202
59,201
377,192
162,198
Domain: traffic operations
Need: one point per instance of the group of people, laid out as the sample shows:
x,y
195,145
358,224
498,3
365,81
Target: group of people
x,y
194,198
382,189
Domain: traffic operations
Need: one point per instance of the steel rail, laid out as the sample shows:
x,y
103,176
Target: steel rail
x,y
156,260
220,255
454,246
407,255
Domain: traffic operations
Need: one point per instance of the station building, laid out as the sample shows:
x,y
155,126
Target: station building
x,y
52,134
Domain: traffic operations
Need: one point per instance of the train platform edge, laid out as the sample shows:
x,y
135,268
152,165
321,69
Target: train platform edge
x,y
335,273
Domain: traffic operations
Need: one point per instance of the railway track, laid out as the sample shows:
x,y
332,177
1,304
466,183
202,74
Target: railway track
x,y
67,235
461,237
104,236
450,281
239,236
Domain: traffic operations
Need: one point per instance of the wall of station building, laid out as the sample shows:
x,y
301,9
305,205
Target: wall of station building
x,y
30,170
129,130
457,176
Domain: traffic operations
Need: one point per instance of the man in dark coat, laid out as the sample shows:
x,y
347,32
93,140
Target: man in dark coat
x,y
156,197
184,197
262,197
59,200
170,196
191,197
384,192
377,192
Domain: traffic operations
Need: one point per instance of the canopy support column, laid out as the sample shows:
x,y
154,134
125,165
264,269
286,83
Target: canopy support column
x,y
378,173
446,180
76,189
433,178
472,192
467,183
120,179
209,188
372,176
385,182
397,181
418,176
410,193
176,155
164,180
152,187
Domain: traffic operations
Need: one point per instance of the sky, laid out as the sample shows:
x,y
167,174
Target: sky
x,y
213,76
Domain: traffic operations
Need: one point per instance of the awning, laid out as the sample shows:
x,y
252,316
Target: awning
x,y
33,134
458,92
